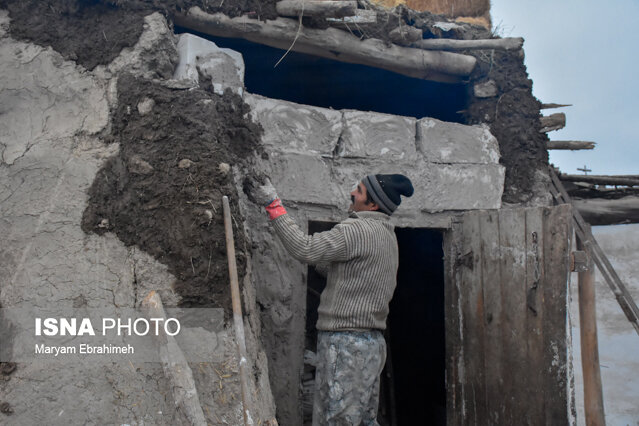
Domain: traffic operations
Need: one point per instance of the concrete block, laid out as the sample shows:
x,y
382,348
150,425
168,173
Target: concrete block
x,y
440,187
295,128
225,67
302,178
371,134
443,142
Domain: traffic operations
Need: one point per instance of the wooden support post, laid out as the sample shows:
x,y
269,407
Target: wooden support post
x,y
593,395
237,309
326,9
286,33
571,145
488,44
175,366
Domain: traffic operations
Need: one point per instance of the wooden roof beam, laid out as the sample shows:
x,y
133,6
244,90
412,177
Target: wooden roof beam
x,y
331,43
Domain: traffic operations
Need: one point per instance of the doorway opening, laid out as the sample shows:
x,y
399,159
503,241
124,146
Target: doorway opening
x,y
311,80
413,382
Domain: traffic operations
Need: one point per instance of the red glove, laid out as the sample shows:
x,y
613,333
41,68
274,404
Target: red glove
x,y
275,209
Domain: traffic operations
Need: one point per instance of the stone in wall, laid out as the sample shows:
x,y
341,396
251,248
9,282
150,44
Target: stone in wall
x,y
370,134
295,128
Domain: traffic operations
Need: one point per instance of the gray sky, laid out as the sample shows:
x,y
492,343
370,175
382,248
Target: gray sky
x,y
583,53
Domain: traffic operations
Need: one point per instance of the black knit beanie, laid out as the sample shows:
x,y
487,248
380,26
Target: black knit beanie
x,y
385,190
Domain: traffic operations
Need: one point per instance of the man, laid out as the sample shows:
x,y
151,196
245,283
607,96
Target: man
x,y
359,258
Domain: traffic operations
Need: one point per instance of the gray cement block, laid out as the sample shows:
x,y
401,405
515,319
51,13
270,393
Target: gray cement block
x,y
440,187
443,142
302,178
371,134
295,128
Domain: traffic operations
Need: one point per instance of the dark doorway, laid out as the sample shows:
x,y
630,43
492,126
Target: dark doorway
x,y
413,389
312,80
416,330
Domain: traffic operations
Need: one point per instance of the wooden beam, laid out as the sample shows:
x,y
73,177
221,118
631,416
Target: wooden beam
x,y
333,44
552,122
314,8
175,366
571,145
609,212
551,106
450,44
600,180
593,394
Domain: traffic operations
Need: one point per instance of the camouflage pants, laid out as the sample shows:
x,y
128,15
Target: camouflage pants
x,y
347,377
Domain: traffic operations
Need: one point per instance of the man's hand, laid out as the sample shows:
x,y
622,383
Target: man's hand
x,y
266,193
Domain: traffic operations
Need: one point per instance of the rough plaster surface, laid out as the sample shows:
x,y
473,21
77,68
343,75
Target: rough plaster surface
x,y
618,340
48,164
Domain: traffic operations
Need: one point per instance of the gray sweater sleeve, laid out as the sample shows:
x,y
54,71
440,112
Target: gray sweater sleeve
x,y
321,247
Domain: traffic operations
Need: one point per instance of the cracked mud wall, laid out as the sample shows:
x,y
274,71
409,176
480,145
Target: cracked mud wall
x,y
60,125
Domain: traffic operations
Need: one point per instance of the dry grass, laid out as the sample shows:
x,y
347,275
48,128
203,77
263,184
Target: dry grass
x,y
470,11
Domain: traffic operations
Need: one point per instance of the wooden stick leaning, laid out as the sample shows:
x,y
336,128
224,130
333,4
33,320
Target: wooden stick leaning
x,y
237,309
593,393
176,368
623,296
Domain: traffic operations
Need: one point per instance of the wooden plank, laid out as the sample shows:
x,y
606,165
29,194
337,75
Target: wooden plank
x,y
472,300
513,273
285,33
556,234
491,286
454,354
361,17
535,279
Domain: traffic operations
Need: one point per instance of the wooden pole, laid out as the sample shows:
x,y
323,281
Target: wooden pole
x,y
571,145
600,179
237,309
488,44
331,43
551,106
326,9
593,395
600,211
175,366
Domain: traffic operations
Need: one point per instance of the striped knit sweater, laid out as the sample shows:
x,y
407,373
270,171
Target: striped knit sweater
x,y
360,259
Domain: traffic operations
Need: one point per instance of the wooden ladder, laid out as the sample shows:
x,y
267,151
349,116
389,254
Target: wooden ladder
x,y
582,229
